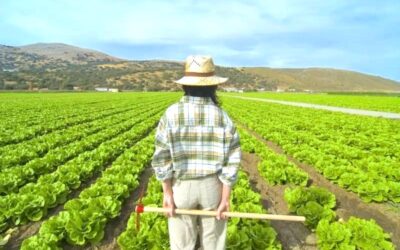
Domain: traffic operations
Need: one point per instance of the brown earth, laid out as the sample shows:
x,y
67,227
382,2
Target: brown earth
x,y
292,235
348,203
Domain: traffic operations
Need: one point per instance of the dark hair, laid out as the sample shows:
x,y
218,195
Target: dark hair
x,y
202,91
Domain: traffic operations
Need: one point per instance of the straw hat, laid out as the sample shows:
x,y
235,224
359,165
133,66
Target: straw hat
x,y
199,71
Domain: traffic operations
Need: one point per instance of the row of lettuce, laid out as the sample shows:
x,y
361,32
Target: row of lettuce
x,y
360,154
84,218
18,154
44,124
274,168
13,178
27,116
317,205
39,188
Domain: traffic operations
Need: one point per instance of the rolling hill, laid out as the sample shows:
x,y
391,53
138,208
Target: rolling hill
x,y
66,52
60,66
325,79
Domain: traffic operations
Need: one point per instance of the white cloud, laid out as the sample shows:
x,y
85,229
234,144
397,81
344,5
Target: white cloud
x,y
145,21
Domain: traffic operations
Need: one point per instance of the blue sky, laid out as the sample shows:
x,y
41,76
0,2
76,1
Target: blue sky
x,y
354,35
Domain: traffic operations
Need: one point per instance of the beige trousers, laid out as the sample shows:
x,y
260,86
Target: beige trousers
x,y
203,193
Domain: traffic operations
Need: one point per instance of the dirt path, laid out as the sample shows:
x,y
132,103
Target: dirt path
x,y
348,203
325,107
292,235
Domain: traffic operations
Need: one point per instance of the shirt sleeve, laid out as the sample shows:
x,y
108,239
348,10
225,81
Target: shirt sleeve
x,y
228,175
162,161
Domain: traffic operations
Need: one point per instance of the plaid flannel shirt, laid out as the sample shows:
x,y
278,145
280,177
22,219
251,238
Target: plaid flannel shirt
x,y
196,138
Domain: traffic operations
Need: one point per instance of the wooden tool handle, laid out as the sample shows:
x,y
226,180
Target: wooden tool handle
x,y
228,214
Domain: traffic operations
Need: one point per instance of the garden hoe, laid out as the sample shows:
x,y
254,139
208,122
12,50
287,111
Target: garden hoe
x,y
140,208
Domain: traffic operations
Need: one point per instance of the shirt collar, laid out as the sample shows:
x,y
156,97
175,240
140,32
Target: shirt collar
x,y
196,100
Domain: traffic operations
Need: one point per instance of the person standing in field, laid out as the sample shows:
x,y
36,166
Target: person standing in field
x,y
196,158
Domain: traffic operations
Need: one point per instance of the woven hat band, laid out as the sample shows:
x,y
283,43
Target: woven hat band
x,y
199,74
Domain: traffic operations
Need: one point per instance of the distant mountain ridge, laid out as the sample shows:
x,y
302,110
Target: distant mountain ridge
x,y
326,79
62,66
67,52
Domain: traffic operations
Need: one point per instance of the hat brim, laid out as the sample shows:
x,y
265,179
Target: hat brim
x,y
201,81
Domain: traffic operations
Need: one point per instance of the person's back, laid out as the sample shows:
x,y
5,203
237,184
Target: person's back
x,y
197,158
200,135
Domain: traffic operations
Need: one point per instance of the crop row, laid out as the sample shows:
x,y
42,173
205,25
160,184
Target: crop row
x,y
153,233
317,205
274,168
12,179
248,233
333,143
32,109
21,153
28,113
34,199
84,218
24,132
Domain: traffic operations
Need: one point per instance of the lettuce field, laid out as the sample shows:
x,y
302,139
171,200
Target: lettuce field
x,y
72,165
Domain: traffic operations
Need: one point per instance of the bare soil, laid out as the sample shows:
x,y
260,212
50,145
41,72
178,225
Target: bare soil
x,y
348,203
292,235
